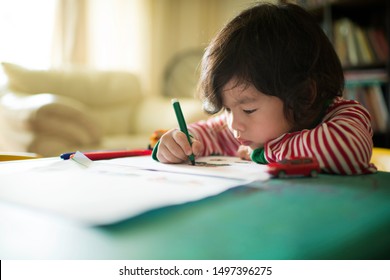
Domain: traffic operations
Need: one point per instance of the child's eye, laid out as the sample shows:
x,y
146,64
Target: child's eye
x,y
249,111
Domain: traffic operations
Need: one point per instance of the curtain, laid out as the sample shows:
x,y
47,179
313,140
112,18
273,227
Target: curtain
x,y
136,35
26,29
70,43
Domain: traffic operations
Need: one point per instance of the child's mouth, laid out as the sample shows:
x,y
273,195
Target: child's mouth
x,y
244,142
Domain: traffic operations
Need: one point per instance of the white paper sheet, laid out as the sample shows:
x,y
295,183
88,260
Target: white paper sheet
x,y
216,166
103,192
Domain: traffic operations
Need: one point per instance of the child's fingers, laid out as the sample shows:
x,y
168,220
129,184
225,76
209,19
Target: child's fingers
x,y
164,155
170,148
182,140
244,152
175,148
197,147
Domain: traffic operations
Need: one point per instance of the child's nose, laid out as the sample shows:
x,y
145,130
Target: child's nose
x,y
236,123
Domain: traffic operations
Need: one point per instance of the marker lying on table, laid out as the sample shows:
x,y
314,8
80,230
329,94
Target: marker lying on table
x,y
182,125
99,155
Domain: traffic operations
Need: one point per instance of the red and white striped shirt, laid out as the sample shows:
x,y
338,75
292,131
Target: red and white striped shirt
x,y
342,142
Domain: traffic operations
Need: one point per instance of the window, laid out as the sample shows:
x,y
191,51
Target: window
x,y
26,32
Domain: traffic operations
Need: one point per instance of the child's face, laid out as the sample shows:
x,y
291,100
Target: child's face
x,y
253,117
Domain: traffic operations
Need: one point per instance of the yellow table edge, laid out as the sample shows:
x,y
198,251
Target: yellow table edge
x,y
6,156
381,158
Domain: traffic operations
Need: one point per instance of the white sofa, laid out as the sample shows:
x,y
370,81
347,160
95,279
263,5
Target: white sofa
x,y
49,112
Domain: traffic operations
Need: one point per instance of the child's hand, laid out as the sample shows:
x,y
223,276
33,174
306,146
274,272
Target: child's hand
x,y
175,148
244,152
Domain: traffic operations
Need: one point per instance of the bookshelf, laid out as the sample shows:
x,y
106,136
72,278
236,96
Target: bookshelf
x,y
360,33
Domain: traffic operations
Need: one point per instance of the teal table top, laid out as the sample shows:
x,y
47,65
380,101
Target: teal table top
x,y
329,217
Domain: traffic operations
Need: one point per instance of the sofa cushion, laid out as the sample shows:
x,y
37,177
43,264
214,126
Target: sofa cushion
x,y
111,96
49,116
91,87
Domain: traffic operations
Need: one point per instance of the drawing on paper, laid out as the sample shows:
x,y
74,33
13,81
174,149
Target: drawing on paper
x,y
209,164
215,162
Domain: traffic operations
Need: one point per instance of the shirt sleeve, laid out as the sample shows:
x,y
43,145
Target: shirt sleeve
x,y
258,156
342,142
215,136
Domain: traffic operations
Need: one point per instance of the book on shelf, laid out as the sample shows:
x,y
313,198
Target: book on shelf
x,y
340,40
366,53
370,95
378,42
358,45
365,77
380,111
358,93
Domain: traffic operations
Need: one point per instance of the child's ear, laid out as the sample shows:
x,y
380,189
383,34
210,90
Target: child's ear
x,y
309,98
312,93
307,108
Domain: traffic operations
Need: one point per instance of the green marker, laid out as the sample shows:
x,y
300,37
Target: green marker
x,y
182,124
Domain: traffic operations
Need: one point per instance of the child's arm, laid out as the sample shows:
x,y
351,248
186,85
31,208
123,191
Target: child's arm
x,y
342,143
215,136
210,137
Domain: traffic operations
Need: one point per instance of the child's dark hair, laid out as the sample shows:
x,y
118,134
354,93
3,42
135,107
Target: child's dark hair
x,y
283,52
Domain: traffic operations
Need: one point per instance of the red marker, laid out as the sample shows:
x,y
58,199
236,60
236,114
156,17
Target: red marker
x,y
99,155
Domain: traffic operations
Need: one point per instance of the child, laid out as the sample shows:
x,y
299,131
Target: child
x,y
276,81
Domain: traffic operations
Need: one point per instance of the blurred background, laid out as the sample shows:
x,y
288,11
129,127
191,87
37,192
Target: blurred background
x,y
160,42
100,74
140,36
